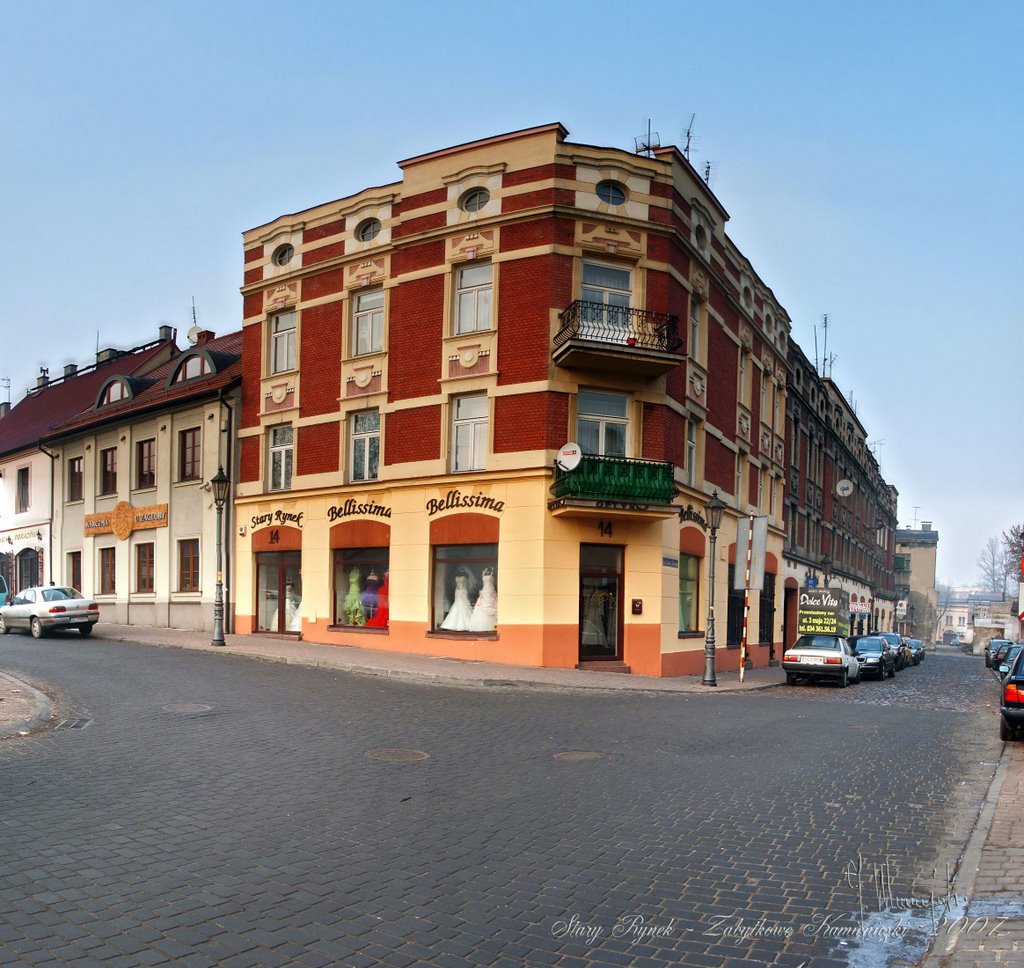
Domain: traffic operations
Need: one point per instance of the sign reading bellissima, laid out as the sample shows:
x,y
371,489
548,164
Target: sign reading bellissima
x,y
823,611
352,507
456,499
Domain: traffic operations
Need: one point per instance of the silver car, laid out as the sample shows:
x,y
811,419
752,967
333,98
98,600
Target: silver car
x,y
49,608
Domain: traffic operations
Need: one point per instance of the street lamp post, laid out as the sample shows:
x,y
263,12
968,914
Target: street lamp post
x,y
221,484
826,570
714,510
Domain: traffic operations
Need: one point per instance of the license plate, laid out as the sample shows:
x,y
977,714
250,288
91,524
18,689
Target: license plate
x,y
79,620
813,659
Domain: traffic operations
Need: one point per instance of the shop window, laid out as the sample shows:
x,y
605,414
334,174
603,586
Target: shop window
x,y
465,595
361,596
282,342
368,322
473,298
108,470
188,454
601,423
188,565
108,584
145,463
281,456
75,480
469,433
144,566
364,449
279,592
689,598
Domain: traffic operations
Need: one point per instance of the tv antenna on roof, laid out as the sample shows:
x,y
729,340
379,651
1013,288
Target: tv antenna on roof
x,y
193,333
688,134
710,170
645,145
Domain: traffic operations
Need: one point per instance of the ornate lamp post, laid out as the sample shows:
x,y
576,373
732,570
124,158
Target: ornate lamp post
x,y
221,484
714,510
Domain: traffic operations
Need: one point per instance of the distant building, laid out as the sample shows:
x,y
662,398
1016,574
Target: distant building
x,y
916,557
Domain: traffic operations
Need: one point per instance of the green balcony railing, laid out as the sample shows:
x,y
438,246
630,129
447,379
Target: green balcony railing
x,y
617,479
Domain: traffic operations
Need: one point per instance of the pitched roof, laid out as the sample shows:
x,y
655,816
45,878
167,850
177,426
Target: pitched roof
x,y
30,420
156,393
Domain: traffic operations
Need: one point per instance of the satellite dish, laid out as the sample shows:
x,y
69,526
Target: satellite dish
x,y
569,457
844,488
193,334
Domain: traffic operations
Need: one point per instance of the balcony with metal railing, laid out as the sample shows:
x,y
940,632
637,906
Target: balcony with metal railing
x,y
616,484
595,336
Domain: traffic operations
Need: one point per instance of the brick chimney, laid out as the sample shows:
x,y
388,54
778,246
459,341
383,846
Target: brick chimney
x,y
204,336
70,369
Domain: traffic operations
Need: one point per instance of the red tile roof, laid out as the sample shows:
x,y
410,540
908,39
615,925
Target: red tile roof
x,y
42,409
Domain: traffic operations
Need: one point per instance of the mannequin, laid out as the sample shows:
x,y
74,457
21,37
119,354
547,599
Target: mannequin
x,y
461,612
369,595
380,618
353,607
485,611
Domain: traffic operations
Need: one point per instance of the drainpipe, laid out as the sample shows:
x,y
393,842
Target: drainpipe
x,y
229,517
49,550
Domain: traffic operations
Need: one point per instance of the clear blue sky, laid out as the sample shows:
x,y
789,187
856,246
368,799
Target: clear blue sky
x,y
869,155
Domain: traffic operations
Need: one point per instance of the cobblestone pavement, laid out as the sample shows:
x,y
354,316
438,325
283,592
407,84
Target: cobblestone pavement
x,y
194,811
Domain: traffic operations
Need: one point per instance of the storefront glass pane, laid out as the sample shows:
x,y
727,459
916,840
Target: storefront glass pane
x,y
361,595
689,570
465,595
268,580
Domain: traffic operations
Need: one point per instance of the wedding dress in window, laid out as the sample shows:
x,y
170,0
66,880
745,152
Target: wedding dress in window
x,y
485,611
461,613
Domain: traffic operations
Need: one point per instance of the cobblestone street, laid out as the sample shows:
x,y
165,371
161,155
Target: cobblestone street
x,y
196,811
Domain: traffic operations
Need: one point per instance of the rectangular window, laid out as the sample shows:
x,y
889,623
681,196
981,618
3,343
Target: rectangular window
x,y
145,463
188,454
108,470
74,576
473,298
689,578
281,455
282,342
361,587
469,433
465,594
144,562
766,621
742,378
694,348
601,423
368,323
188,565
21,497
608,290
691,452
107,564
75,481
364,449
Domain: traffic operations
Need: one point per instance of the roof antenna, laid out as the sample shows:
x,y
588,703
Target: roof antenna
x,y
689,136
824,351
193,333
645,145
710,170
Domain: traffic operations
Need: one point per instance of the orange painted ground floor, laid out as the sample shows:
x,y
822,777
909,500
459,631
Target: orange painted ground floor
x,y
483,569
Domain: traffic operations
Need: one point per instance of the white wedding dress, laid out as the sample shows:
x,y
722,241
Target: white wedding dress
x,y
461,613
485,611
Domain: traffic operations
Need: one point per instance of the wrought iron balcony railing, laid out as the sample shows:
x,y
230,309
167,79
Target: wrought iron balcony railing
x,y
619,325
617,479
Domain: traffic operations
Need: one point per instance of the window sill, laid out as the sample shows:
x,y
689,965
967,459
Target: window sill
x,y
470,636
191,481
692,635
361,629
143,490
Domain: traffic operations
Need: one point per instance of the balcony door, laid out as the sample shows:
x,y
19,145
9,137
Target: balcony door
x,y
607,290
601,423
600,602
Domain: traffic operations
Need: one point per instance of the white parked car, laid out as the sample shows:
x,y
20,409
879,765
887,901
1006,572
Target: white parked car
x,y
49,608
821,657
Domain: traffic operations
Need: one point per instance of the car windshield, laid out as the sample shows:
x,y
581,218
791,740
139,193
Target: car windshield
x,y
59,594
870,645
817,642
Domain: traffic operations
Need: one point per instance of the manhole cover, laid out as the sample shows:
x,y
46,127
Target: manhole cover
x,y
576,756
397,756
187,707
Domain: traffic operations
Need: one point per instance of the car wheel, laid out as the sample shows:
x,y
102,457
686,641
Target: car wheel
x,y
857,680
37,628
85,630
892,671
790,679
3,626
1005,733
844,679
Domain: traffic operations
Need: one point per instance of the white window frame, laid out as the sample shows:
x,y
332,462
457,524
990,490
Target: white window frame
x,y
691,452
362,441
470,432
604,421
477,319
614,314
368,321
282,341
694,347
285,449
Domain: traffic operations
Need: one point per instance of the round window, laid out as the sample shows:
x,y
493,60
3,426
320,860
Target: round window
x,y
283,254
748,297
474,200
611,192
368,229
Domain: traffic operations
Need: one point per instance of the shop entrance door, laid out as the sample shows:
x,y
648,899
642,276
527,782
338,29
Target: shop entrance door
x,y
279,591
600,602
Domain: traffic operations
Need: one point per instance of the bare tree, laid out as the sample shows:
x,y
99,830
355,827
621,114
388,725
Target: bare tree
x,y
992,566
1013,544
